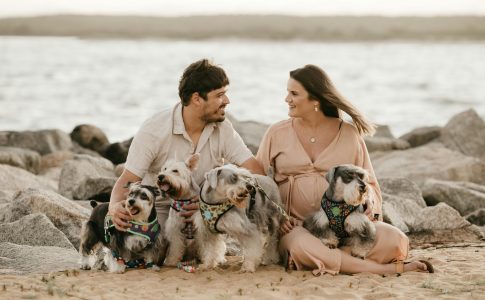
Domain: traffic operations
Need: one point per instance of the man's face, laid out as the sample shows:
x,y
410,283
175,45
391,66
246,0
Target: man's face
x,y
214,107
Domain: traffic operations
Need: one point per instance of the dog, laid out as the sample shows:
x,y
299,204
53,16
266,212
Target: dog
x,y
243,206
142,245
340,220
177,183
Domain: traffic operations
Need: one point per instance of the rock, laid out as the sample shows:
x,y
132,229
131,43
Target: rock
x,y
79,176
117,152
402,187
465,133
34,230
400,212
391,216
42,141
432,160
422,135
22,158
477,217
385,144
90,136
470,233
78,149
439,217
55,159
22,259
119,169
65,214
15,179
465,197
384,131
6,196
251,132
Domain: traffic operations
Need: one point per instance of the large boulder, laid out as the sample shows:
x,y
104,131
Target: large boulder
x,y
34,230
42,141
23,259
65,214
15,179
465,197
385,144
422,135
22,158
402,187
465,133
250,131
432,160
85,177
383,131
89,136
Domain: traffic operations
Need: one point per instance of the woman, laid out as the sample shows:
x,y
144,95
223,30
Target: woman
x,y
301,150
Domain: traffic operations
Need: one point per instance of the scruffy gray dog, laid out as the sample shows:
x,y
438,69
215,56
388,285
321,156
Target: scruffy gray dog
x,y
244,206
340,220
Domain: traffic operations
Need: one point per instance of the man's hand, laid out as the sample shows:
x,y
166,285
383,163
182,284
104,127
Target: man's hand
x,y
119,215
288,225
188,211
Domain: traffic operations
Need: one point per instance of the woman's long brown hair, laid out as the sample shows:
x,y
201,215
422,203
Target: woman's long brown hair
x,y
319,86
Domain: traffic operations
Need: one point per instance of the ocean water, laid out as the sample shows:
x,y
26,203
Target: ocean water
x,y
57,82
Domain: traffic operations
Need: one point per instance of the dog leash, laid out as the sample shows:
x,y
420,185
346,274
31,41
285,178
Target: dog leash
x,y
256,185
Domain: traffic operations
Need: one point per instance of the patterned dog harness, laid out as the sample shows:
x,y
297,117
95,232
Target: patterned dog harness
x,y
211,213
337,212
177,205
149,231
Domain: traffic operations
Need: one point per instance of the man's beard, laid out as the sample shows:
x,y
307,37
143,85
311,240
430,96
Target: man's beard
x,y
210,118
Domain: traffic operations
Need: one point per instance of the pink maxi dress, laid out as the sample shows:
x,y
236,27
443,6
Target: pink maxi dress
x,y
302,183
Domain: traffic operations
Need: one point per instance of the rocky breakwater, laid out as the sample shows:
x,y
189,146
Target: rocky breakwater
x,y
432,179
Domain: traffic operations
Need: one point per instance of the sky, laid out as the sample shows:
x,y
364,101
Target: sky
x,y
9,8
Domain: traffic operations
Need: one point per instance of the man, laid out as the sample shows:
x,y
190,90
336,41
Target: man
x,y
196,125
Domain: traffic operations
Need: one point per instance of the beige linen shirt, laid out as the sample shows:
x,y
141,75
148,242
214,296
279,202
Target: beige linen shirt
x,y
163,137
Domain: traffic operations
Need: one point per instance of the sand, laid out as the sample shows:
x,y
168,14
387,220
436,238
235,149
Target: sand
x,y
459,275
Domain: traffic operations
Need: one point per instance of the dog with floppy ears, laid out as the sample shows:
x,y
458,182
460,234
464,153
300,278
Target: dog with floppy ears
x,y
245,207
141,246
341,220
177,183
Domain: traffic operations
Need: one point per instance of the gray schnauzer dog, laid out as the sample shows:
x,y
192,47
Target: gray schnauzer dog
x,y
142,245
177,183
340,220
245,207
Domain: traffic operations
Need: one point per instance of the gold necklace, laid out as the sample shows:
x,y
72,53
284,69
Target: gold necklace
x,y
312,140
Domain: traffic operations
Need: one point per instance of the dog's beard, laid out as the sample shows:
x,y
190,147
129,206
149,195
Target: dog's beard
x,y
238,196
352,194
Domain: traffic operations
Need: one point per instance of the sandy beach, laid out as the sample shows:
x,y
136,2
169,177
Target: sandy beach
x,y
459,275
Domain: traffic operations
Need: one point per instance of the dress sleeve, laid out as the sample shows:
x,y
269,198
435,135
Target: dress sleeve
x,y
364,162
264,152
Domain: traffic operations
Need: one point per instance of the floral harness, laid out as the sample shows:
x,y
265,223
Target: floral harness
x,y
336,213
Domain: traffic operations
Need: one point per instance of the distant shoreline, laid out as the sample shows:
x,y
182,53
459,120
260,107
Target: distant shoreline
x,y
252,27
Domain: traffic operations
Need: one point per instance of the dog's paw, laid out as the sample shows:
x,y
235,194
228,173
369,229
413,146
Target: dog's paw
x,y
248,267
155,268
207,266
331,243
171,262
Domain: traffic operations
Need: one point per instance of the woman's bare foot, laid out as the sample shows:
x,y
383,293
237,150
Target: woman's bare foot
x,y
421,265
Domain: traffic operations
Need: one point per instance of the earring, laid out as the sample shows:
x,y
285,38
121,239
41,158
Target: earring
x,y
316,108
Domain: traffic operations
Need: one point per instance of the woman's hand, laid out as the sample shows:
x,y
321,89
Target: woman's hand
x,y
188,210
288,225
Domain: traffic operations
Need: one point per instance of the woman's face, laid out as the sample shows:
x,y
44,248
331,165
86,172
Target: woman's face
x,y
299,103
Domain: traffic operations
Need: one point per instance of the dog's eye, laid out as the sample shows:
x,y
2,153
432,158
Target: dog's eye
x,y
143,196
346,179
175,171
233,178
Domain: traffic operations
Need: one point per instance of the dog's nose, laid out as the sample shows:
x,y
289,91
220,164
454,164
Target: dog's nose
x,y
249,186
160,177
131,201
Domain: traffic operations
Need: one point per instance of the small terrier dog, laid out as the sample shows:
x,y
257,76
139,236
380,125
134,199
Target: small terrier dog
x,y
142,245
177,183
243,206
340,220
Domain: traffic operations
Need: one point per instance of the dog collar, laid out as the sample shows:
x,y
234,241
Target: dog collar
x,y
178,204
211,213
336,213
149,230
